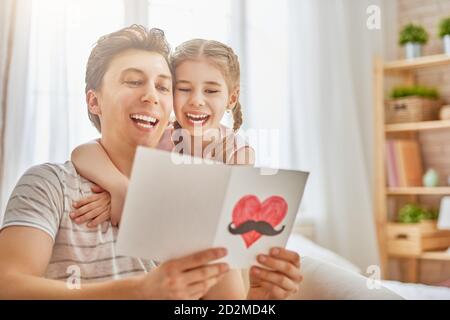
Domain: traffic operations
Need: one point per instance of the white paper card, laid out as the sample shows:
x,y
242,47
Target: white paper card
x,y
174,209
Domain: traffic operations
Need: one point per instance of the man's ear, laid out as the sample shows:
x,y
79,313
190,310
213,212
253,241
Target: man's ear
x,y
92,102
234,97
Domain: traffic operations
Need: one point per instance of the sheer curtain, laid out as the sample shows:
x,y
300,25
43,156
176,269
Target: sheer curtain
x,y
15,17
47,113
310,78
331,101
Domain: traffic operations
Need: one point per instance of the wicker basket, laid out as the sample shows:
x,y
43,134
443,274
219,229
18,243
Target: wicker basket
x,y
412,109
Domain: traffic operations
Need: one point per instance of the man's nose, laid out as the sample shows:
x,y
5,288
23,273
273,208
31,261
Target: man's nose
x,y
150,95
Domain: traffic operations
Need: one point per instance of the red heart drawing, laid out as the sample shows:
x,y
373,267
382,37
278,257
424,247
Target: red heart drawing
x,y
272,210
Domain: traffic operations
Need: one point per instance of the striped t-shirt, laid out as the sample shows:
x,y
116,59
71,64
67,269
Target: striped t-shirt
x,y
43,199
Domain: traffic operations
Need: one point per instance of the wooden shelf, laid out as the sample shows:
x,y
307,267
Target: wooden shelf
x,y
435,255
417,63
418,126
418,191
403,70
427,255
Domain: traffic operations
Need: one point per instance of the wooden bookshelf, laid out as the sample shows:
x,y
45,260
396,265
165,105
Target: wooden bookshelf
x,y
419,191
417,63
417,126
436,255
383,75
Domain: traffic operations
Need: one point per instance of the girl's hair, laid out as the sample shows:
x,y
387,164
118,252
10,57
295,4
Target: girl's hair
x,y
219,54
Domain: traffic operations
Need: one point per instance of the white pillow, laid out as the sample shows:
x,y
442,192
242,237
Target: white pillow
x,y
305,247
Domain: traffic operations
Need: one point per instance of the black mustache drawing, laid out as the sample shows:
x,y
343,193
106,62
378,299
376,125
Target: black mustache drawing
x,y
261,227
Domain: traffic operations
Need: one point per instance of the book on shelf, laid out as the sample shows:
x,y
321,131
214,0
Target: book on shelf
x,y
403,163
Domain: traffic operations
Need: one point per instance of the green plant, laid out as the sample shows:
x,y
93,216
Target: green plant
x,y
431,214
444,27
420,91
413,33
412,213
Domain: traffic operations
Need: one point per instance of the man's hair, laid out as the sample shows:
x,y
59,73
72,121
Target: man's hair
x,y
110,45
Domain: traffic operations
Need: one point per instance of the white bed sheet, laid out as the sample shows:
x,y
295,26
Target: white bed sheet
x,y
414,291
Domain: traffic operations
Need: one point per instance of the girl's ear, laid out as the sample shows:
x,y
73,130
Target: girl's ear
x,y
92,102
234,97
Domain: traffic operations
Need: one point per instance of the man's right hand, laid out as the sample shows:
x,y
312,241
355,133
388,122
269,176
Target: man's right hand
x,y
188,277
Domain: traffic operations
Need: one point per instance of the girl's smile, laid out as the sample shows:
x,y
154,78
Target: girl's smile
x,y
197,118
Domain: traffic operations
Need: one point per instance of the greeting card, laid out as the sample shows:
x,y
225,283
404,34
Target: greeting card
x,y
177,205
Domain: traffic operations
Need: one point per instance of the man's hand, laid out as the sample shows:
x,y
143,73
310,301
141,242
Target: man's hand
x,y
280,280
189,277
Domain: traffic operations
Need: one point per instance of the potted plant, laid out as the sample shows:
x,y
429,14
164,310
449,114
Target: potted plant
x,y
444,33
412,104
417,91
412,37
412,213
415,231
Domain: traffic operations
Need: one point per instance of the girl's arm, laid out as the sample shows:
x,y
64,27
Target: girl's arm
x,y
93,163
231,287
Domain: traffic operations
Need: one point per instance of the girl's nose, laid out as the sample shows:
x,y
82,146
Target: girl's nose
x,y
197,100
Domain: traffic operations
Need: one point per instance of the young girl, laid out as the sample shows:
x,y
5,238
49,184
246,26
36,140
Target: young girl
x,y
206,86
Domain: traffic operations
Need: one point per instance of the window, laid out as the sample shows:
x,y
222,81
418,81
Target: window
x,y
62,35
184,20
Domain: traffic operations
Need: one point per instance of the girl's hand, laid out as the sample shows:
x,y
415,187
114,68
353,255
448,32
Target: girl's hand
x,y
94,209
280,280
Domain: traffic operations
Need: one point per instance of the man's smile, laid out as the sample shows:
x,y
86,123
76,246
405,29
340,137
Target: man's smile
x,y
144,121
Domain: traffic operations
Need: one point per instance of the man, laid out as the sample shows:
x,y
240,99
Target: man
x,y
127,75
